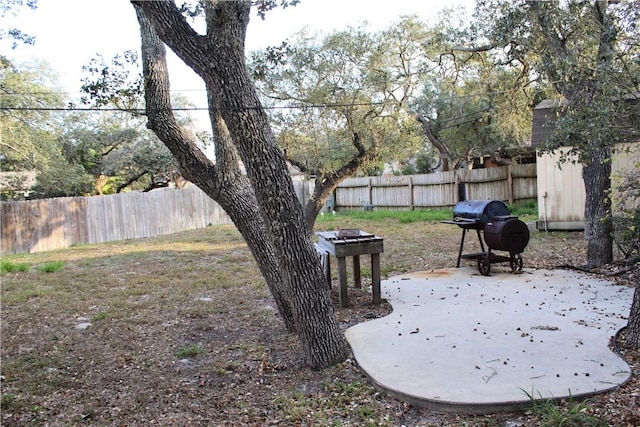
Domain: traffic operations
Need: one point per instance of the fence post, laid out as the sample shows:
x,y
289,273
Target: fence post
x,y
411,203
510,185
461,193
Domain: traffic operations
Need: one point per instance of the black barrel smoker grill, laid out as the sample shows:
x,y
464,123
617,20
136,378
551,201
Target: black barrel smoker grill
x,y
502,232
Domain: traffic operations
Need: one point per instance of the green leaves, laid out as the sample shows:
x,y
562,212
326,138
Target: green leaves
x,y
113,83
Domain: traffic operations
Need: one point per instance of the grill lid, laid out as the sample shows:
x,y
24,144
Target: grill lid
x,y
479,210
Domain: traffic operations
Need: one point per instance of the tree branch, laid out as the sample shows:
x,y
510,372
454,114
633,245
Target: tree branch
x,y
558,51
475,49
131,181
445,156
162,14
158,104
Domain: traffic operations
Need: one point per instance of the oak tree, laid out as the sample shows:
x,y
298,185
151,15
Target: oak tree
x,y
333,114
262,204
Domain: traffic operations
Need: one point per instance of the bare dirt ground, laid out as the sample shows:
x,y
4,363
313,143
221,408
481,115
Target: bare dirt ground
x,y
180,331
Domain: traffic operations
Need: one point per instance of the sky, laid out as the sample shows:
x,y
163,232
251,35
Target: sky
x,y
69,33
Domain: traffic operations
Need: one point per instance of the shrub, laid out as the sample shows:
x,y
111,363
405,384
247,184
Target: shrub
x,y
51,267
10,267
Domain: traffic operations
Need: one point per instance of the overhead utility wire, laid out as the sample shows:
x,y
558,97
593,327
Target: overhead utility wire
x,y
142,110
452,97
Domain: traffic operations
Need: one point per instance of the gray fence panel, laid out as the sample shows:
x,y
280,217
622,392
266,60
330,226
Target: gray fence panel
x,y
41,225
439,190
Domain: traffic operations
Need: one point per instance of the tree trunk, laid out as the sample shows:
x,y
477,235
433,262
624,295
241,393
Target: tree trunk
x,y
445,157
222,182
218,57
596,174
326,183
313,206
632,336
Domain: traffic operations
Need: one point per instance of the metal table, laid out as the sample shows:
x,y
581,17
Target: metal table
x,y
353,243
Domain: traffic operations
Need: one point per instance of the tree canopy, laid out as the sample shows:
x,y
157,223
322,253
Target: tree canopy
x,y
31,132
100,149
360,101
11,7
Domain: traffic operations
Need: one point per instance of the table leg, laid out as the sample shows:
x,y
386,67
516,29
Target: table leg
x,y
327,269
342,276
375,278
357,278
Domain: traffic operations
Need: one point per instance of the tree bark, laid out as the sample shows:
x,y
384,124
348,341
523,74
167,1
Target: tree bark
x,y
270,217
632,336
596,174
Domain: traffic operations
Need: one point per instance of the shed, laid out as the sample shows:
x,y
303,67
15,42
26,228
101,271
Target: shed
x,y
561,192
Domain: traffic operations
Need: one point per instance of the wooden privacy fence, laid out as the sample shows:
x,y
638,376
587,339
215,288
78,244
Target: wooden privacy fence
x,y
438,190
40,225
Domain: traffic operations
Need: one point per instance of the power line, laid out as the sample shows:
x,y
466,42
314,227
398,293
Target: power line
x,y
451,97
142,110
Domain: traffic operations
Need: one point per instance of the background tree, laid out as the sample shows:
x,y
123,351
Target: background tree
x,y
119,146
329,113
31,128
484,109
78,153
355,82
263,205
471,102
117,150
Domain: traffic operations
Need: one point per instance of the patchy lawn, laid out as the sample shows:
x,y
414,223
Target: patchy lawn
x,y
181,331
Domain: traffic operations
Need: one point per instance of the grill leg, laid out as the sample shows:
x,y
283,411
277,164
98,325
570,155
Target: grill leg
x,y
357,278
480,239
375,278
464,231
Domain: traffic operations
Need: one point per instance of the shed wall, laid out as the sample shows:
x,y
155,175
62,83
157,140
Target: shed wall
x,y
561,192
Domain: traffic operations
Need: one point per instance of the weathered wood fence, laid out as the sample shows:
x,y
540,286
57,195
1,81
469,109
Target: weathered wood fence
x,y
40,225
438,190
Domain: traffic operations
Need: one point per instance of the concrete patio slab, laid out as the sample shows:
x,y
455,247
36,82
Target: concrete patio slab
x,y
461,342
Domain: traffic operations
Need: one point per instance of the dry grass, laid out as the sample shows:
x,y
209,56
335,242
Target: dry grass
x,y
183,332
